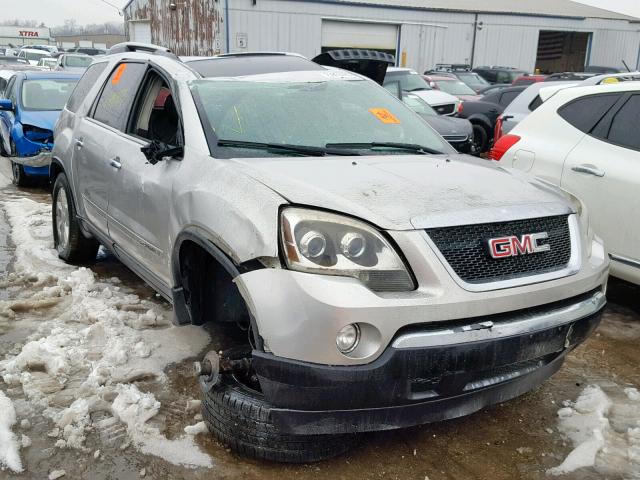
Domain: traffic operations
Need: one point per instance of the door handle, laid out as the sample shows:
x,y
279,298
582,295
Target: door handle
x,y
115,163
589,169
79,143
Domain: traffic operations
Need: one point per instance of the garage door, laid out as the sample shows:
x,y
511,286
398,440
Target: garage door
x,y
375,36
141,32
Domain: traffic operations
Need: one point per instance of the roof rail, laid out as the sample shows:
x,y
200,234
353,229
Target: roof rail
x,y
141,47
258,54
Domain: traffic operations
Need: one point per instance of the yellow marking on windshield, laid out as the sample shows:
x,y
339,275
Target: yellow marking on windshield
x,y
384,115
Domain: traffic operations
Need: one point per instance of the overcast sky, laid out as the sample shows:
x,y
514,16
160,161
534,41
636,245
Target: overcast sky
x,y
54,12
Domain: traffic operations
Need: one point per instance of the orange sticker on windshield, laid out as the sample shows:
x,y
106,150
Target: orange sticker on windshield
x,y
118,75
384,115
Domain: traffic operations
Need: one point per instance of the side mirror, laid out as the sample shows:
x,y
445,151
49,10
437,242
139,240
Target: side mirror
x,y
6,104
155,151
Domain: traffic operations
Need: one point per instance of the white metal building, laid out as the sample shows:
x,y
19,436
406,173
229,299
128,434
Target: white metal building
x,y
553,35
19,36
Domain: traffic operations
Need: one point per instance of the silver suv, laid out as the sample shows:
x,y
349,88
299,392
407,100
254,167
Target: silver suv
x,y
381,280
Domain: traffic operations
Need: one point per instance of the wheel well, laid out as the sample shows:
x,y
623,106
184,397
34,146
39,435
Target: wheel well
x,y
209,290
55,169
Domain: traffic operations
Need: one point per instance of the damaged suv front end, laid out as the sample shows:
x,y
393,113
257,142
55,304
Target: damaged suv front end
x,y
379,279
408,288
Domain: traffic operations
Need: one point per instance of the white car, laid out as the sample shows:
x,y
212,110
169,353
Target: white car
x,y
585,139
47,63
408,80
33,55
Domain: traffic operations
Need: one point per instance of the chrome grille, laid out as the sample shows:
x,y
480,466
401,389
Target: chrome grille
x,y
465,249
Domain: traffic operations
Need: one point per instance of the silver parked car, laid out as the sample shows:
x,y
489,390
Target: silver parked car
x,y
381,279
73,62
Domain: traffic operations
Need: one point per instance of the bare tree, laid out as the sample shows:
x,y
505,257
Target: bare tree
x,y
19,23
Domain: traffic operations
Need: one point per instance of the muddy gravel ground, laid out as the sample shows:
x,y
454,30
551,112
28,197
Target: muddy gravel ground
x,y
518,439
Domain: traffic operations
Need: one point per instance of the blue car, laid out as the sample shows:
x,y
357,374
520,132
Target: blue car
x,y
28,113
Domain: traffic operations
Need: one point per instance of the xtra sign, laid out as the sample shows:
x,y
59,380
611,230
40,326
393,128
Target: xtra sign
x,y
28,33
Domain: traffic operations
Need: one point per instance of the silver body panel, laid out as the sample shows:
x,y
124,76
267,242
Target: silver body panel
x,y
139,210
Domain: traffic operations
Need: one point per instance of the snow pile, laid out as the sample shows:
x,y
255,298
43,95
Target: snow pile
x,y
96,339
603,425
9,448
135,409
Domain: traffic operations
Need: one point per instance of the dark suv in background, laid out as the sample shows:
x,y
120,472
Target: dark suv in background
x,y
499,74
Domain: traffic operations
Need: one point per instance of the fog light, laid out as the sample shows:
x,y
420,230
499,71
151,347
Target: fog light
x,y
348,338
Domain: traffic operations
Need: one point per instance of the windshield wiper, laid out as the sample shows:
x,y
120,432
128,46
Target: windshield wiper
x,y
422,150
308,150
417,89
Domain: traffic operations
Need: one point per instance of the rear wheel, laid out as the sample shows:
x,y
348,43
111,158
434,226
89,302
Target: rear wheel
x,y
480,138
20,178
71,244
240,417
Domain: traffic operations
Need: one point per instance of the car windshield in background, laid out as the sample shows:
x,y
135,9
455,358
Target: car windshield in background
x,y
418,105
46,94
308,114
473,80
36,55
454,87
409,82
77,61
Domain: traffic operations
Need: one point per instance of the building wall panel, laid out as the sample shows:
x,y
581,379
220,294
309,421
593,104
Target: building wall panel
x,y
197,27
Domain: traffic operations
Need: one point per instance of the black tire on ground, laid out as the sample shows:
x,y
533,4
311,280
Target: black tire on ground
x,y
20,179
78,248
480,138
241,418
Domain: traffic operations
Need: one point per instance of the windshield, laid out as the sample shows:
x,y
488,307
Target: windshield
x,y
36,55
454,87
409,81
418,105
310,114
46,94
77,61
473,79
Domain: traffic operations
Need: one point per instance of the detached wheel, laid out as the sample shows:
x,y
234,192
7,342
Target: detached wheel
x,y
71,244
480,139
240,417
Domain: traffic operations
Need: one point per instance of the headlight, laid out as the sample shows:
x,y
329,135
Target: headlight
x,y
320,242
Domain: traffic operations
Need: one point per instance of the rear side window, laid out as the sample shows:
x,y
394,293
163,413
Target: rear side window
x,y
584,113
87,81
118,95
508,97
624,127
535,103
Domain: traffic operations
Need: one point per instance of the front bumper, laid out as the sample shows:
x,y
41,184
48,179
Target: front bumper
x,y
42,159
298,315
424,376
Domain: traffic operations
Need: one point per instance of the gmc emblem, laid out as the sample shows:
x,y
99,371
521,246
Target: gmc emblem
x,y
513,246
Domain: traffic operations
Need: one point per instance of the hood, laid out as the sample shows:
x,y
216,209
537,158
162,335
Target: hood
x,y
469,98
45,119
406,192
435,97
449,125
370,63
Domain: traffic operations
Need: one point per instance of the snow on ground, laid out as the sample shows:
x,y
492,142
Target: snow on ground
x,y
603,425
9,449
95,340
